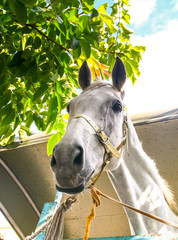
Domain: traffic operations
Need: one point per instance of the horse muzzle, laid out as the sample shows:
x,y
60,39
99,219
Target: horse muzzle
x,y
71,176
74,190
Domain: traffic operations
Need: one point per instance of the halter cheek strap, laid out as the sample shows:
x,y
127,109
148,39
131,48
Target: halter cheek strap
x,y
110,149
102,137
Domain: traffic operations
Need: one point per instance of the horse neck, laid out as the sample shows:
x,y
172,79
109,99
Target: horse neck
x,y
138,183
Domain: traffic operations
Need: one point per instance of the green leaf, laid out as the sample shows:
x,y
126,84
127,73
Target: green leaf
x,y
21,12
8,118
37,43
125,30
38,121
60,125
128,69
28,2
66,116
60,27
65,58
58,101
29,41
77,52
12,5
102,8
109,21
9,139
72,16
26,54
16,122
4,99
133,79
52,109
4,130
40,92
94,14
139,48
88,3
83,21
125,2
53,140
6,110
29,119
125,17
93,37
2,26
17,60
26,129
134,65
50,127
86,49
95,53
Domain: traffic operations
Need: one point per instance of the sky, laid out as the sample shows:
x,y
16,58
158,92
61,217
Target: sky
x,y
155,23
6,230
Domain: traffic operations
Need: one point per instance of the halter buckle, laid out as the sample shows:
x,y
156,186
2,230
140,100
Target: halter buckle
x,y
102,137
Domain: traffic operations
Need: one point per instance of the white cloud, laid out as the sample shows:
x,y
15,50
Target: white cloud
x,y
174,3
157,87
140,10
176,6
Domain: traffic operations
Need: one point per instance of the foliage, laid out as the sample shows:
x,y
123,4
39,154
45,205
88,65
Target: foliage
x,y
42,45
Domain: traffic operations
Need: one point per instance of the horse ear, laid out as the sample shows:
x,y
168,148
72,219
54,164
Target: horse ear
x,y
119,74
85,76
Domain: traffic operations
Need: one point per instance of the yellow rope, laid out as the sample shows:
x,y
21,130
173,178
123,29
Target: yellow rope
x,y
96,203
88,223
95,193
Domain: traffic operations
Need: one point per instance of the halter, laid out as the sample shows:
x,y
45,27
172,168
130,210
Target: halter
x,y
104,140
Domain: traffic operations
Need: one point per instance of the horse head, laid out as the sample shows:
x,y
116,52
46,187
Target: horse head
x,y
79,156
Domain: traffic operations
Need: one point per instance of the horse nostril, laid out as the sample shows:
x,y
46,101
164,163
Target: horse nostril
x,y
53,161
78,160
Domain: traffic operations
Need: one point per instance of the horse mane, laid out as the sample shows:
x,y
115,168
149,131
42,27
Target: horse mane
x,y
169,197
167,192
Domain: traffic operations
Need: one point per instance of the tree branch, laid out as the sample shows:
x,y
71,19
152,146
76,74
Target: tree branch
x,y
50,3
32,84
48,38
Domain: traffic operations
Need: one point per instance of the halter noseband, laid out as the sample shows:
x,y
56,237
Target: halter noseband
x,y
104,139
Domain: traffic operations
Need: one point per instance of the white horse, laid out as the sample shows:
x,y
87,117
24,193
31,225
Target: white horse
x,y
79,156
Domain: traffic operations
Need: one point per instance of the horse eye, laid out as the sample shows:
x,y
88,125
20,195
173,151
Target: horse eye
x,y
68,108
117,106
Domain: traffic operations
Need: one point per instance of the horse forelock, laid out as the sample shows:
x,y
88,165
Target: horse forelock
x,y
98,84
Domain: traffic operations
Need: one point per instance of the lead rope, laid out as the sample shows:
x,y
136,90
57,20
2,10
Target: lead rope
x,y
55,224
95,194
